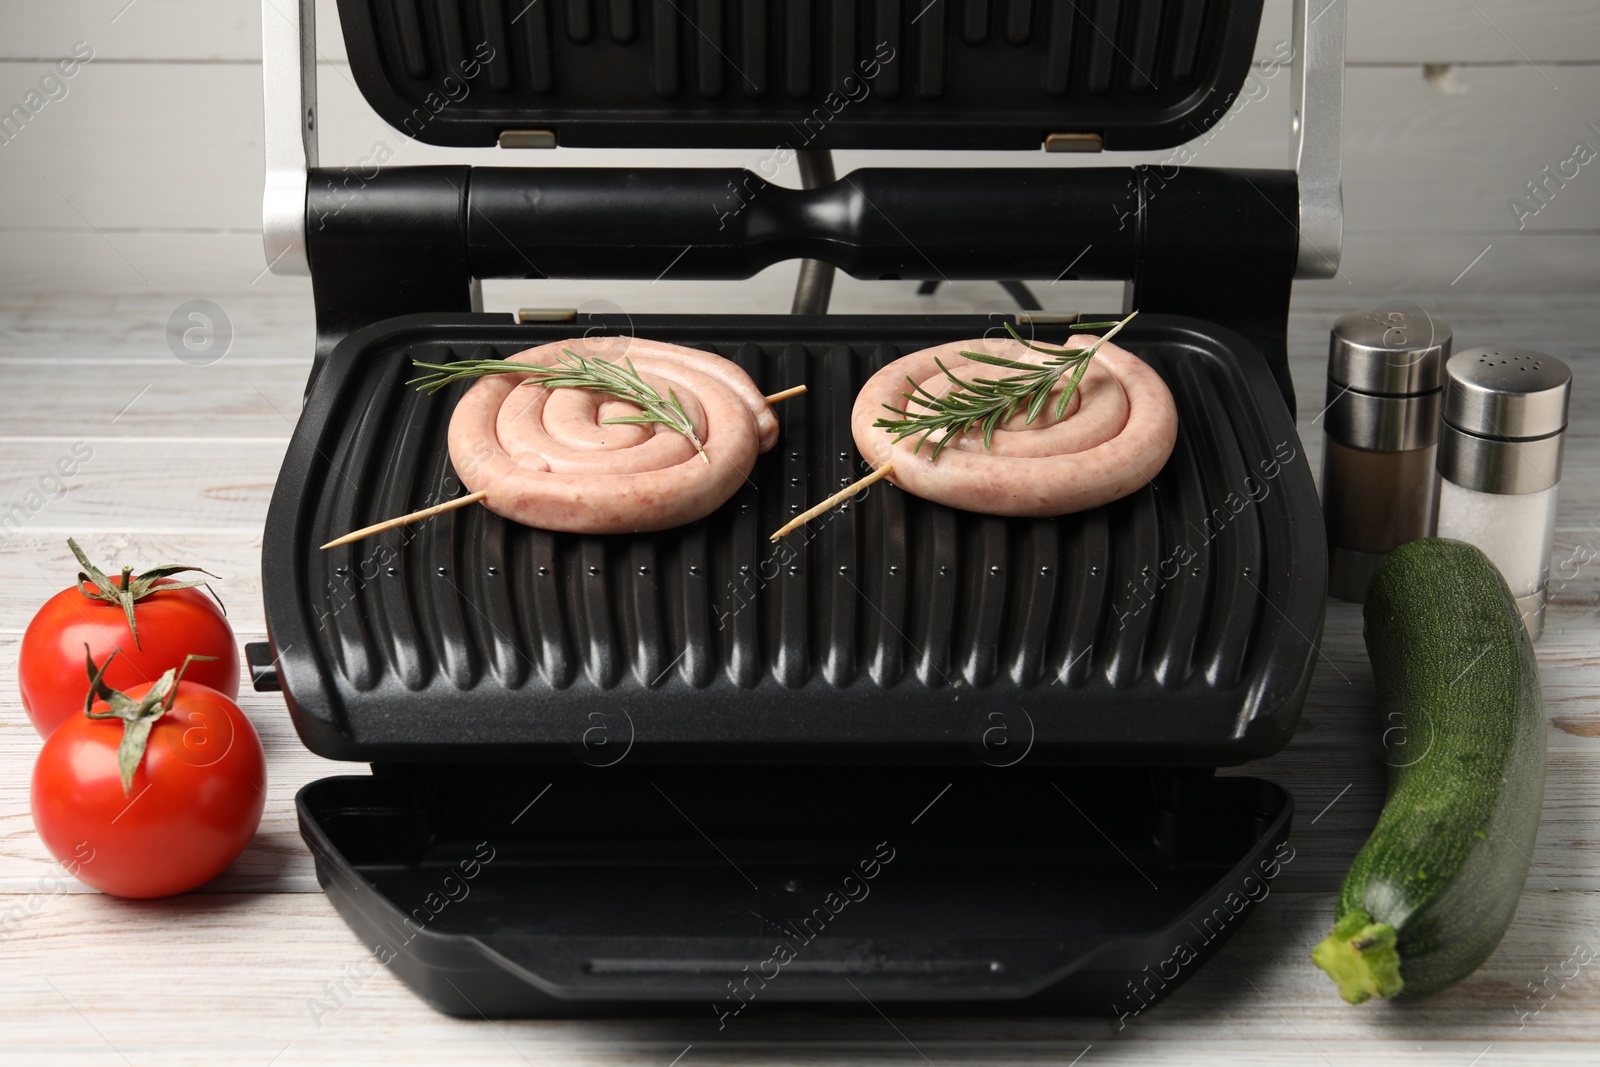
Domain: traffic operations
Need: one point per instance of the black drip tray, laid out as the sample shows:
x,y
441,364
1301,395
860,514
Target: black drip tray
x,y
1175,626
530,891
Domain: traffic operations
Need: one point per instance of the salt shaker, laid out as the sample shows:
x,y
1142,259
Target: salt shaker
x,y
1381,427
1500,448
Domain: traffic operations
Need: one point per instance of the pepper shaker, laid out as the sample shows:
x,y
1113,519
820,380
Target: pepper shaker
x,y
1500,449
1385,369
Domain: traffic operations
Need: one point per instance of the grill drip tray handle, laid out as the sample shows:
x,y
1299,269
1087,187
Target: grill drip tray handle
x,y
534,891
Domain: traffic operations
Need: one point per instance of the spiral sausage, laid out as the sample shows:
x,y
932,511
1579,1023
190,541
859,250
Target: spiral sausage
x,y
1117,433
546,459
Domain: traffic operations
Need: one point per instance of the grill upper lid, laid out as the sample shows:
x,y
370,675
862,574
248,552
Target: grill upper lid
x,y
790,74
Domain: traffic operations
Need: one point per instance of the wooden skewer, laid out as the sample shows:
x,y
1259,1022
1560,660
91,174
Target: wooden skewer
x,y
415,516
838,498
473,498
786,394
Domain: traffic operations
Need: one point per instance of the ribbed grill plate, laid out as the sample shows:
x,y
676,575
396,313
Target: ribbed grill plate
x,y
1175,626
758,74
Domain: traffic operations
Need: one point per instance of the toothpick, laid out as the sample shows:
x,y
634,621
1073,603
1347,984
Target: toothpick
x,y
416,516
786,394
838,498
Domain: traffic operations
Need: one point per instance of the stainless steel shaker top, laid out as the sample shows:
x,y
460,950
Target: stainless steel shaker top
x,y
1385,369
1391,353
1505,413
1507,392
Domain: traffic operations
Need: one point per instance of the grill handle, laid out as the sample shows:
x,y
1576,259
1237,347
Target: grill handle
x,y
878,223
263,663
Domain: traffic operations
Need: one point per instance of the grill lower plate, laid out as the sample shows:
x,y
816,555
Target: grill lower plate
x,y
1175,626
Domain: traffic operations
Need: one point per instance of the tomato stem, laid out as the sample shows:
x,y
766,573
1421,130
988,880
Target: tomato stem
x,y
190,658
138,716
93,583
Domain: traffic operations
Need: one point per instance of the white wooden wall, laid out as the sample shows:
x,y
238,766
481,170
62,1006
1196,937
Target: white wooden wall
x,y
146,175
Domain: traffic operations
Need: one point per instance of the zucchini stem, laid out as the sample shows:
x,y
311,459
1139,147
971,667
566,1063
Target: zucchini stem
x,y
1361,958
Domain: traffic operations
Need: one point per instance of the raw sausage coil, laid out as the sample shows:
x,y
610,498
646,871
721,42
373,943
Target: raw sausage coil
x,y
1117,433
546,459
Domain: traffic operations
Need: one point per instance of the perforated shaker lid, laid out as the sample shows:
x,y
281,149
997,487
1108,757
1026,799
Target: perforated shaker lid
x,y
1507,392
1394,353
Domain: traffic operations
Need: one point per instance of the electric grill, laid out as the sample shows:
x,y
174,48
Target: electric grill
x,y
912,756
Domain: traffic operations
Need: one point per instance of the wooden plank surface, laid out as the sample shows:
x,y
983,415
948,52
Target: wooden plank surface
x,y
256,956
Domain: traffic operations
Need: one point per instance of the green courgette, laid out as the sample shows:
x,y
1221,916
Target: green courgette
x,y
1432,891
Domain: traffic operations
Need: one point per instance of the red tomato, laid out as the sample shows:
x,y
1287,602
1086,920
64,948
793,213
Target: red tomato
x,y
172,624
194,805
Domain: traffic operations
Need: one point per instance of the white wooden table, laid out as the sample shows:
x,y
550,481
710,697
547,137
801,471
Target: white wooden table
x,y
184,460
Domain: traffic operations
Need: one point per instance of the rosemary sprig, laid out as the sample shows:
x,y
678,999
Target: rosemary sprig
x,y
987,402
573,371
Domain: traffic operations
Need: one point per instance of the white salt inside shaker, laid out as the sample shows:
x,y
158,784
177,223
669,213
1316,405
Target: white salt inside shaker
x,y
1509,529
1500,450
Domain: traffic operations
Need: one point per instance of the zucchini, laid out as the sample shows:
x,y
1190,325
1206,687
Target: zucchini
x,y
1432,891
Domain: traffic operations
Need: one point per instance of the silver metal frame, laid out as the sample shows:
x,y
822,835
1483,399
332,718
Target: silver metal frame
x,y
289,75
1317,128
289,82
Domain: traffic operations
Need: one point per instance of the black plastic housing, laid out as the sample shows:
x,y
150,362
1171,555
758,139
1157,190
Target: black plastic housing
x,y
1210,243
721,893
1176,626
795,74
